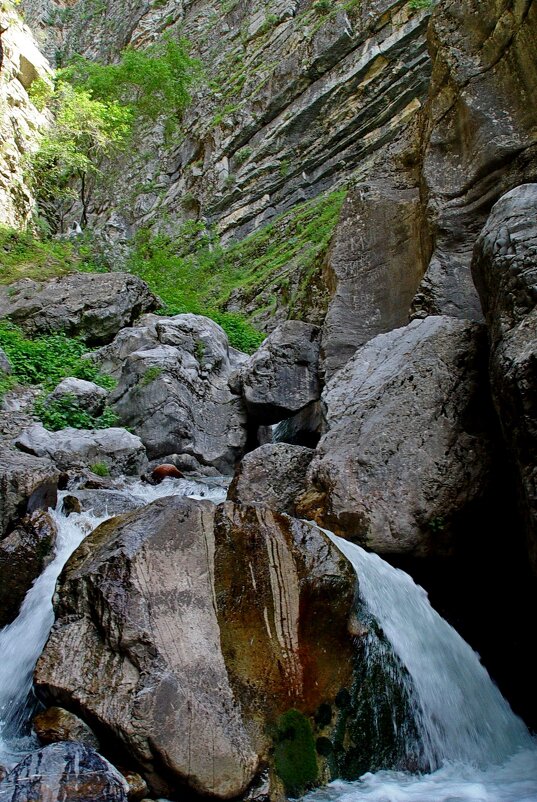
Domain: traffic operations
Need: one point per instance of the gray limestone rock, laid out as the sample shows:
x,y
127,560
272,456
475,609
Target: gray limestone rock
x,y
69,771
505,272
375,262
24,553
27,484
87,395
273,475
119,450
408,447
93,305
176,396
282,376
5,365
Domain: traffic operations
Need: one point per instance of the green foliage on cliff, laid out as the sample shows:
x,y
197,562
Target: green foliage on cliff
x,y
193,272
24,255
96,108
47,359
152,83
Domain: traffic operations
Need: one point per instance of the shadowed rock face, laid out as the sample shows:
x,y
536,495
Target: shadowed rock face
x,y
408,445
27,483
24,553
68,771
505,272
479,138
183,637
93,305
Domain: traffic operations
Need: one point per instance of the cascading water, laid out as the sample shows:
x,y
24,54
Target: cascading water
x,y
483,752
22,641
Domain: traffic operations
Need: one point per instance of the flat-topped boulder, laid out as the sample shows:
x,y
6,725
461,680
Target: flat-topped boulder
x,y
27,483
91,305
116,450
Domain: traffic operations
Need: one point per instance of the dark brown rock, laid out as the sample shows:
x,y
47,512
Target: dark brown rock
x,y
165,471
71,504
23,555
27,484
56,724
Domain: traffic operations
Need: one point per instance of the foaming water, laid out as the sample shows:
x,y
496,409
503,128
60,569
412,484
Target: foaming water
x,y
482,752
22,641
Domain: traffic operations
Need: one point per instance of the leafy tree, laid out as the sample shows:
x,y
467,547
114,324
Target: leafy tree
x,y
85,131
95,107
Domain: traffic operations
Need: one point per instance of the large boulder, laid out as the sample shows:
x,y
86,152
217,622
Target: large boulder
x,y
176,396
505,272
144,335
115,450
145,662
282,377
27,484
92,305
408,447
68,771
185,631
23,555
272,475
87,395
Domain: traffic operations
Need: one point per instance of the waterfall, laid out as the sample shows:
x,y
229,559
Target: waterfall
x,y
22,641
483,752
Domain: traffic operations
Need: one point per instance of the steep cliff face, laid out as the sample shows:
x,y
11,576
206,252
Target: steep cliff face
x,y
20,121
294,96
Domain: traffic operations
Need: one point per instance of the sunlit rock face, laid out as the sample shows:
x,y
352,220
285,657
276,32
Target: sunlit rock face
x,y
196,629
20,121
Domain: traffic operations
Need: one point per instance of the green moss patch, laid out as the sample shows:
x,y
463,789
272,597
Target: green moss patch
x,y
294,754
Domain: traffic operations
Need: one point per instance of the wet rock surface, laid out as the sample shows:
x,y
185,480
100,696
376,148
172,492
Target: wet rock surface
x,y
64,771
92,305
171,624
117,450
408,445
27,483
55,725
24,553
505,271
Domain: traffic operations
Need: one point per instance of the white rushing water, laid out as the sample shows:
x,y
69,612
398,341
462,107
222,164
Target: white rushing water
x,y
484,752
22,641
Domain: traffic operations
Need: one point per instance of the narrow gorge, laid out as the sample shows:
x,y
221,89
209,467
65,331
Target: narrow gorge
x,y
268,400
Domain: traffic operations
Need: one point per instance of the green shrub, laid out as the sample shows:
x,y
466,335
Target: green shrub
x,y
150,375
48,359
100,469
243,155
65,411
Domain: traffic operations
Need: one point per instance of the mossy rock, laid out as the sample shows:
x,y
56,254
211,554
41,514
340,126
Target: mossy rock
x,y
295,757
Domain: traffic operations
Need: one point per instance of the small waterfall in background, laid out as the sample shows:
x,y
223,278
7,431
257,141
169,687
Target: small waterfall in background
x,y
22,641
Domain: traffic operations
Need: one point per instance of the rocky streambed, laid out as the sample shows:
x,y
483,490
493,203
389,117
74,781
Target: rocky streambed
x,y
207,640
